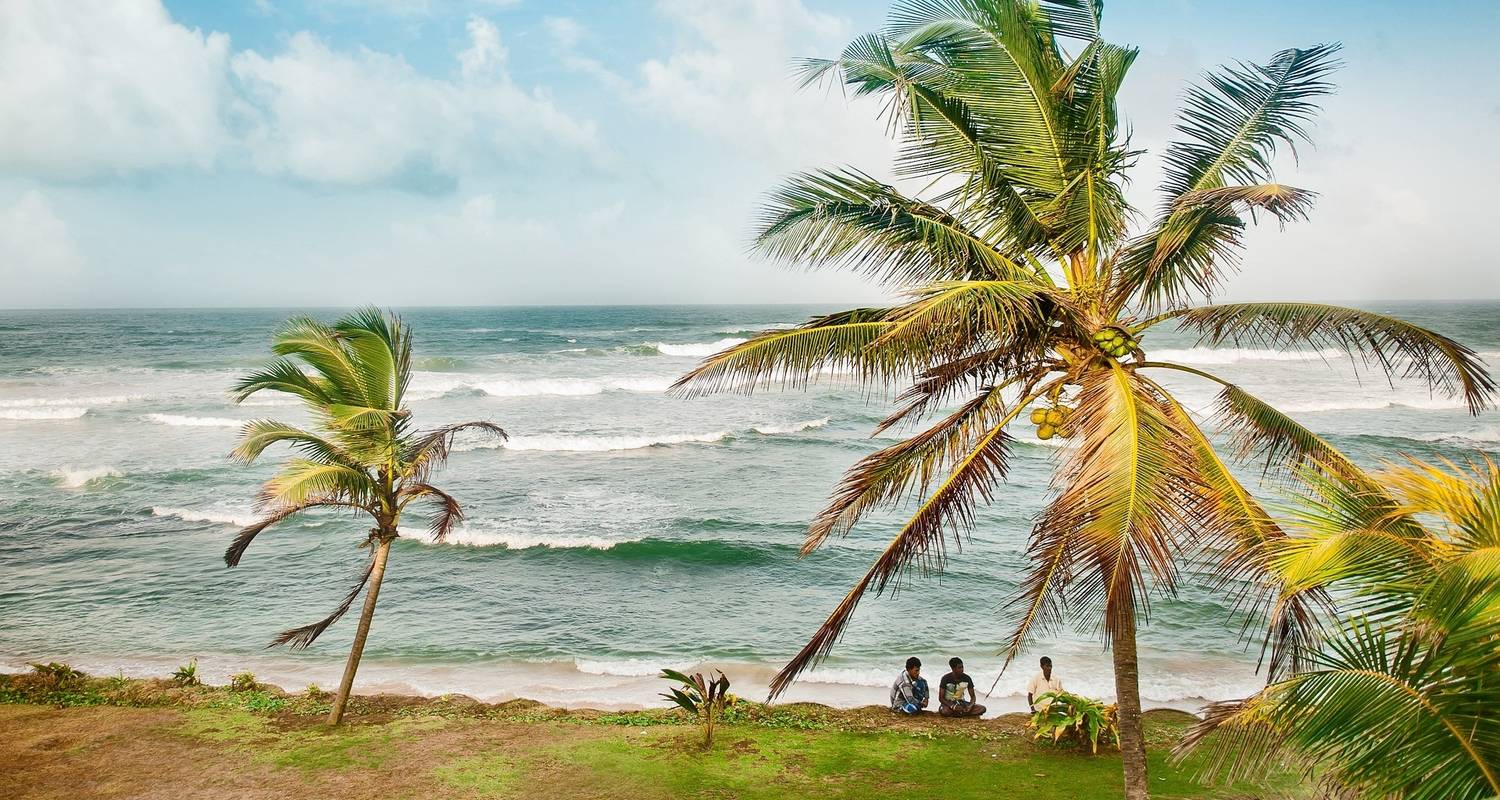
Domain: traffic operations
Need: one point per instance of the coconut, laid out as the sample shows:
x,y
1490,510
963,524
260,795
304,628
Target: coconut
x,y
1038,416
1045,432
1054,417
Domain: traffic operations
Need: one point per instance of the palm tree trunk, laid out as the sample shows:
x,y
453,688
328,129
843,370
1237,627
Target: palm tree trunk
x,y
363,632
1128,696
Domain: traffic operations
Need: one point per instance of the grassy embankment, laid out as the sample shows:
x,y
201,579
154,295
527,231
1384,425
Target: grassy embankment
x,y
130,738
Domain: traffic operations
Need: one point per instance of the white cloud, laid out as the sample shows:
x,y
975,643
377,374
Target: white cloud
x,y
36,251
106,87
368,118
564,30
729,77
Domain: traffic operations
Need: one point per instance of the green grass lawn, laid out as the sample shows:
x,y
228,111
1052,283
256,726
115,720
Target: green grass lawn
x,y
152,740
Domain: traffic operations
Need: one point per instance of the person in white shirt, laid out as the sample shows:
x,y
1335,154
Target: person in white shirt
x,y
1042,683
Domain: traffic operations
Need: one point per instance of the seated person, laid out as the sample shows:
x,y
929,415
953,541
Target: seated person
x,y
1042,683
952,689
909,693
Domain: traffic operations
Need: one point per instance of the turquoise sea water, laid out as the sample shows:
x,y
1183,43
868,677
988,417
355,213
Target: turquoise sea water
x,y
619,531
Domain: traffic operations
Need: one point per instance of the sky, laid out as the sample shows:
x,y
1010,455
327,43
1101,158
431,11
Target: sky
x,y
501,152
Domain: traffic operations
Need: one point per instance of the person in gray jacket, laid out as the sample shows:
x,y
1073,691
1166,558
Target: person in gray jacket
x,y
909,692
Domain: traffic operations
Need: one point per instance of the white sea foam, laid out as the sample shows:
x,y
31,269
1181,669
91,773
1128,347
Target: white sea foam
x,y
237,518
771,429
42,413
1486,435
695,349
1234,355
630,668
180,421
1369,404
74,478
71,402
511,540
435,384
598,444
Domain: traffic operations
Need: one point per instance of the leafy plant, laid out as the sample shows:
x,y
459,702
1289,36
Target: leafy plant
x,y
704,699
56,676
362,456
1403,700
1073,716
1025,281
243,682
187,674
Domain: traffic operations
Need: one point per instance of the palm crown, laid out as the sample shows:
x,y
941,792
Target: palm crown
x,y
1025,286
362,455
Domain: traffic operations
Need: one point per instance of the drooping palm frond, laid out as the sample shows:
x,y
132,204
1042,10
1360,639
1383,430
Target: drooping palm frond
x,y
301,638
448,514
937,385
851,220
430,450
248,533
886,476
1231,129
1239,538
1116,526
948,509
1397,346
971,314
259,434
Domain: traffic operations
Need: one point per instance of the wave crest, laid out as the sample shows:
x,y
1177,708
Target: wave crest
x,y
76,478
238,519
771,429
21,414
695,349
1234,355
181,421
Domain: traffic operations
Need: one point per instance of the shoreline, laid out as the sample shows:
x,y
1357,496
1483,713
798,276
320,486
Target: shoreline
x,y
578,684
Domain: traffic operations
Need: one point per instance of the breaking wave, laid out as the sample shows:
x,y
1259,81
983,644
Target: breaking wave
x,y
42,413
238,519
695,349
1234,355
770,429
180,421
74,478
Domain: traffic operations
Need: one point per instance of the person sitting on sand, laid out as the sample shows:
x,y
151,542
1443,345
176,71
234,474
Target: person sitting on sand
x,y
1042,683
951,690
909,693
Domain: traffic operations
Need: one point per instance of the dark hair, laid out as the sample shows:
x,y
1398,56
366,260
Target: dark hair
x,y
1046,660
955,662
913,662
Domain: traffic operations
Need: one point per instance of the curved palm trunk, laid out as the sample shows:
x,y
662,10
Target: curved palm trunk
x,y
1128,696
357,649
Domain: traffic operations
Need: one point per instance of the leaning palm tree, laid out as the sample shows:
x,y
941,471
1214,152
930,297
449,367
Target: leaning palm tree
x,y
361,455
1025,287
1402,700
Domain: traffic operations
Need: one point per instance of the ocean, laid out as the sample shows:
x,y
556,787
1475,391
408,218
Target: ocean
x,y
619,531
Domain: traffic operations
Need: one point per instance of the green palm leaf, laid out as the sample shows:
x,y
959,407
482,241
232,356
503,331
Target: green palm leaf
x,y
1395,345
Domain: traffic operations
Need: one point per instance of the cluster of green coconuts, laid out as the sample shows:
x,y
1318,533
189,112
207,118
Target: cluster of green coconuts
x,y
1052,422
1114,342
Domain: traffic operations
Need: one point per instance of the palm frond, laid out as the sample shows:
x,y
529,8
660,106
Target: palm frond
x,y
259,434
1231,128
847,219
248,533
884,477
1397,346
1240,536
970,314
793,358
302,479
948,509
283,375
448,514
430,450
301,638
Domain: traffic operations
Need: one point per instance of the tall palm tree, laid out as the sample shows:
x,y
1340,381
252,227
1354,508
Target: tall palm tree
x,y
1025,285
1402,700
361,455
